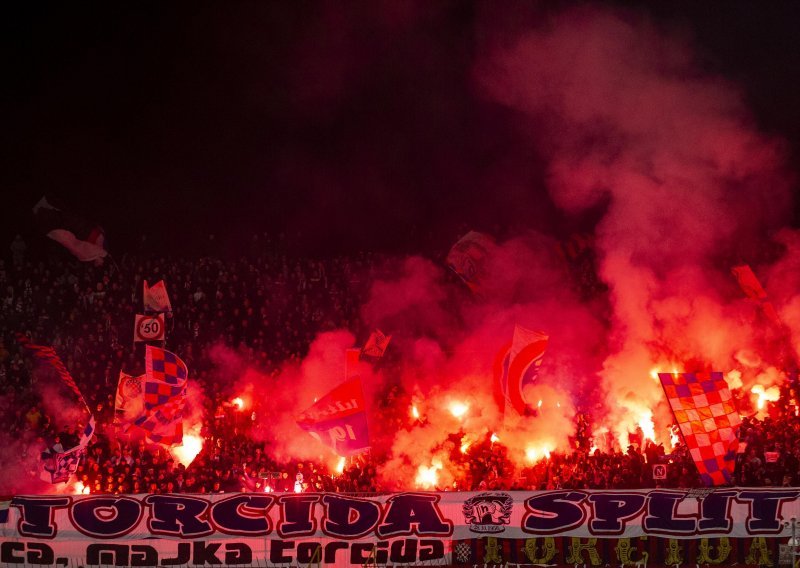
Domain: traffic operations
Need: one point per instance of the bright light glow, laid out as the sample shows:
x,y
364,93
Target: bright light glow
x,y
647,426
540,404
80,489
770,394
186,452
458,409
494,438
655,371
238,403
674,439
340,466
267,489
537,454
428,477
414,412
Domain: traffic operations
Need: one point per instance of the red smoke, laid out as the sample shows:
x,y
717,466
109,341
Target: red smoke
x,y
628,124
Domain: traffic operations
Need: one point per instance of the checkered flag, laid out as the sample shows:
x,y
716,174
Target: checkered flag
x,y
164,396
708,420
463,552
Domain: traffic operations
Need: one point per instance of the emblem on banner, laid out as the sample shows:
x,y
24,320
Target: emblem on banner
x,y
488,512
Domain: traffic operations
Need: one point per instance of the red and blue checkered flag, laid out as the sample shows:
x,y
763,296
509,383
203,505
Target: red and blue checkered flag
x,y
707,417
164,396
165,378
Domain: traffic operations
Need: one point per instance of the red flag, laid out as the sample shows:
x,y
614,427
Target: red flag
x,y
748,282
339,419
517,366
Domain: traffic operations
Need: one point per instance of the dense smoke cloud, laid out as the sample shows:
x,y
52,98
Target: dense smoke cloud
x,y
626,118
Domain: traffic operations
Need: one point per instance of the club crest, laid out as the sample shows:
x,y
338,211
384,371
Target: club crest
x,y
488,512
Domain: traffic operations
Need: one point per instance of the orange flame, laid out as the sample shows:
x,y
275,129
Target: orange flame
x,y
238,403
428,477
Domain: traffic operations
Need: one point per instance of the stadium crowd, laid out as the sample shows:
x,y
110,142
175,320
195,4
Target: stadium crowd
x,y
270,305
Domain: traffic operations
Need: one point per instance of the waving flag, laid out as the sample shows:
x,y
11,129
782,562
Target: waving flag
x,y
376,344
58,467
707,417
469,257
339,419
129,400
517,366
156,298
48,355
84,242
164,396
752,288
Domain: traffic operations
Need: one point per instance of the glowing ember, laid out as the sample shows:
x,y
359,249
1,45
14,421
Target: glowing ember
x,y
340,466
238,403
494,438
186,452
415,412
540,404
427,477
458,409
770,394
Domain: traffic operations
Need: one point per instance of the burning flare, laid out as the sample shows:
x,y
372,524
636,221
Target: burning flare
x,y
647,425
238,403
428,477
771,394
534,455
458,409
186,452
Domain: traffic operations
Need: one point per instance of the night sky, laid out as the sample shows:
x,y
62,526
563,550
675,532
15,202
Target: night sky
x,y
357,125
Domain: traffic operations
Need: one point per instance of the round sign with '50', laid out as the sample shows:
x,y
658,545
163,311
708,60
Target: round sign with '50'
x,y
149,328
